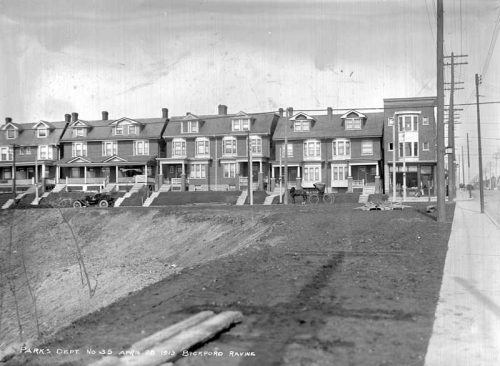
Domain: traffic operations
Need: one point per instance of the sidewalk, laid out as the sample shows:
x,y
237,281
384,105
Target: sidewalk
x,y
467,325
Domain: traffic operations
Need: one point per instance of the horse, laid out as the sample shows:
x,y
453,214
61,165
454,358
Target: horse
x,y
298,192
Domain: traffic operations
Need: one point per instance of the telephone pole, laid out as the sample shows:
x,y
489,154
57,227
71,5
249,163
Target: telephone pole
x,y
441,193
287,123
463,166
468,160
14,170
479,149
452,177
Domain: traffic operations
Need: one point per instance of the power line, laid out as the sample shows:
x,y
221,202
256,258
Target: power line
x,y
492,45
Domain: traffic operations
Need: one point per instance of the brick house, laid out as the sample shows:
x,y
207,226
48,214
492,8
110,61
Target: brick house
x,y
210,152
34,146
341,150
101,152
410,123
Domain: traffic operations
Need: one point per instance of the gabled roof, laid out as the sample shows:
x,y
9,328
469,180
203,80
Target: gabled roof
x,y
190,117
126,119
27,134
113,158
16,126
79,123
359,114
100,130
302,116
331,126
79,159
45,124
220,125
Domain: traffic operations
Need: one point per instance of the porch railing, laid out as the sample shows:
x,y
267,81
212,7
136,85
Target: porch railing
x,y
243,181
358,183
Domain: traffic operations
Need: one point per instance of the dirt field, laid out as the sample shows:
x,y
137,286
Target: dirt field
x,y
318,285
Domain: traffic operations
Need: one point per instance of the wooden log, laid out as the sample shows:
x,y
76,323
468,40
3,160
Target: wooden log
x,y
173,347
166,333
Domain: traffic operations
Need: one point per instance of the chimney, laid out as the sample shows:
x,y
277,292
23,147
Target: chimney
x,y
222,109
164,113
74,116
67,118
188,113
8,120
329,111
289,112
104,115
280,111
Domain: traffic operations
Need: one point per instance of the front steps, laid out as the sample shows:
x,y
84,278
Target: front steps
x,y
242,198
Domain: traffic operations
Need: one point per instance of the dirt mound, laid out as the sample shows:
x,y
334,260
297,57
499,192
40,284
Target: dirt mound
x,y
121,251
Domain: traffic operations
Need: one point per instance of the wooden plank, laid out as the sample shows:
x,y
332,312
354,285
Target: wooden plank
x,y
172,347
166,333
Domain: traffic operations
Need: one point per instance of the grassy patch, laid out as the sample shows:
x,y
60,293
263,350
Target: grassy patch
x,y
186,198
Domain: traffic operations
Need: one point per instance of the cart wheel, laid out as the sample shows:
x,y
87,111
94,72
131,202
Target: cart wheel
x,y
328,198
103,203
314,199
77,204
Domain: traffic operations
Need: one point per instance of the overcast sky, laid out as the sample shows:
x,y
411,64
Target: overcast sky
x,y
133,57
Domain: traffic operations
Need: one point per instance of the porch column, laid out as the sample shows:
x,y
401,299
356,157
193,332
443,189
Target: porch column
x,y
58,174
116,170
85,174
377,180
183,178
260,177
349,178
146,174
298,180
161,168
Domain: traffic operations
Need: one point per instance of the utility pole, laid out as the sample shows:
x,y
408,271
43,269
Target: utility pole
x,y
479,149
468,160
250,170
463,167
395,146
441,204
452,178
287,122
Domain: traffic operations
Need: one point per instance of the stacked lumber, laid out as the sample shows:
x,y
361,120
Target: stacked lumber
x,y
166,345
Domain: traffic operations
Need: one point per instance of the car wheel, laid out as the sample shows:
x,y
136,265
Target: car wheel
x,y
314,199
327,198
103,203
77,204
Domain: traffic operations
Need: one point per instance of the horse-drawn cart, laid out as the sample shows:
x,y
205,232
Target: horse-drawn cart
x,y
309,196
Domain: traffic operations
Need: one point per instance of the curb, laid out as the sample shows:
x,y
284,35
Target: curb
x,y
492,219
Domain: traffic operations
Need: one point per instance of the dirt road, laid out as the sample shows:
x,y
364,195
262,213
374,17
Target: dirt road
x,y
323,285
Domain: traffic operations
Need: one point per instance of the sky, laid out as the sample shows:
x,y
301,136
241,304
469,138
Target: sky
x,y
134,57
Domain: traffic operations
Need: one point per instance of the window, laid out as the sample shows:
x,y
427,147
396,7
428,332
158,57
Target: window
x,y
339,172
408,122
119,130
79,132
11,133
353,123
132,129
312,174
425,120
256,144
341,148
390,146
425,146
301,125
44,152
411,149
229,170
142,147
229,146
41,132
290,150
179,147
6,153
366,147
109,148
390,121
202,147
190,127
198,171
27,150
240,125
312,149
79,149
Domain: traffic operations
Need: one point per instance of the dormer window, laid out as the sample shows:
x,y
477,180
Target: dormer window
x,y
301,125
132,130
119,130
353,123
190,127
42,132
11,133
79,131
240,125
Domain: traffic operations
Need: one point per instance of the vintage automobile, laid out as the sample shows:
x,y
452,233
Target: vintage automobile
x,y
99,199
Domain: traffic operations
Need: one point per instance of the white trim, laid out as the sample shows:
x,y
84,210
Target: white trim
x,y
306,117
408,112
360,115
4,127
79,159
114,158
125,119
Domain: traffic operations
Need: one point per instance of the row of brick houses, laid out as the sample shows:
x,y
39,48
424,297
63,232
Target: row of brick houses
x,y
346,151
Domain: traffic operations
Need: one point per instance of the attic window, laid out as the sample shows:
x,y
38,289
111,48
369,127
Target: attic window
x,y
301,125
353,123
240,125
119,130
190,127
11,133
42,132
79,131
